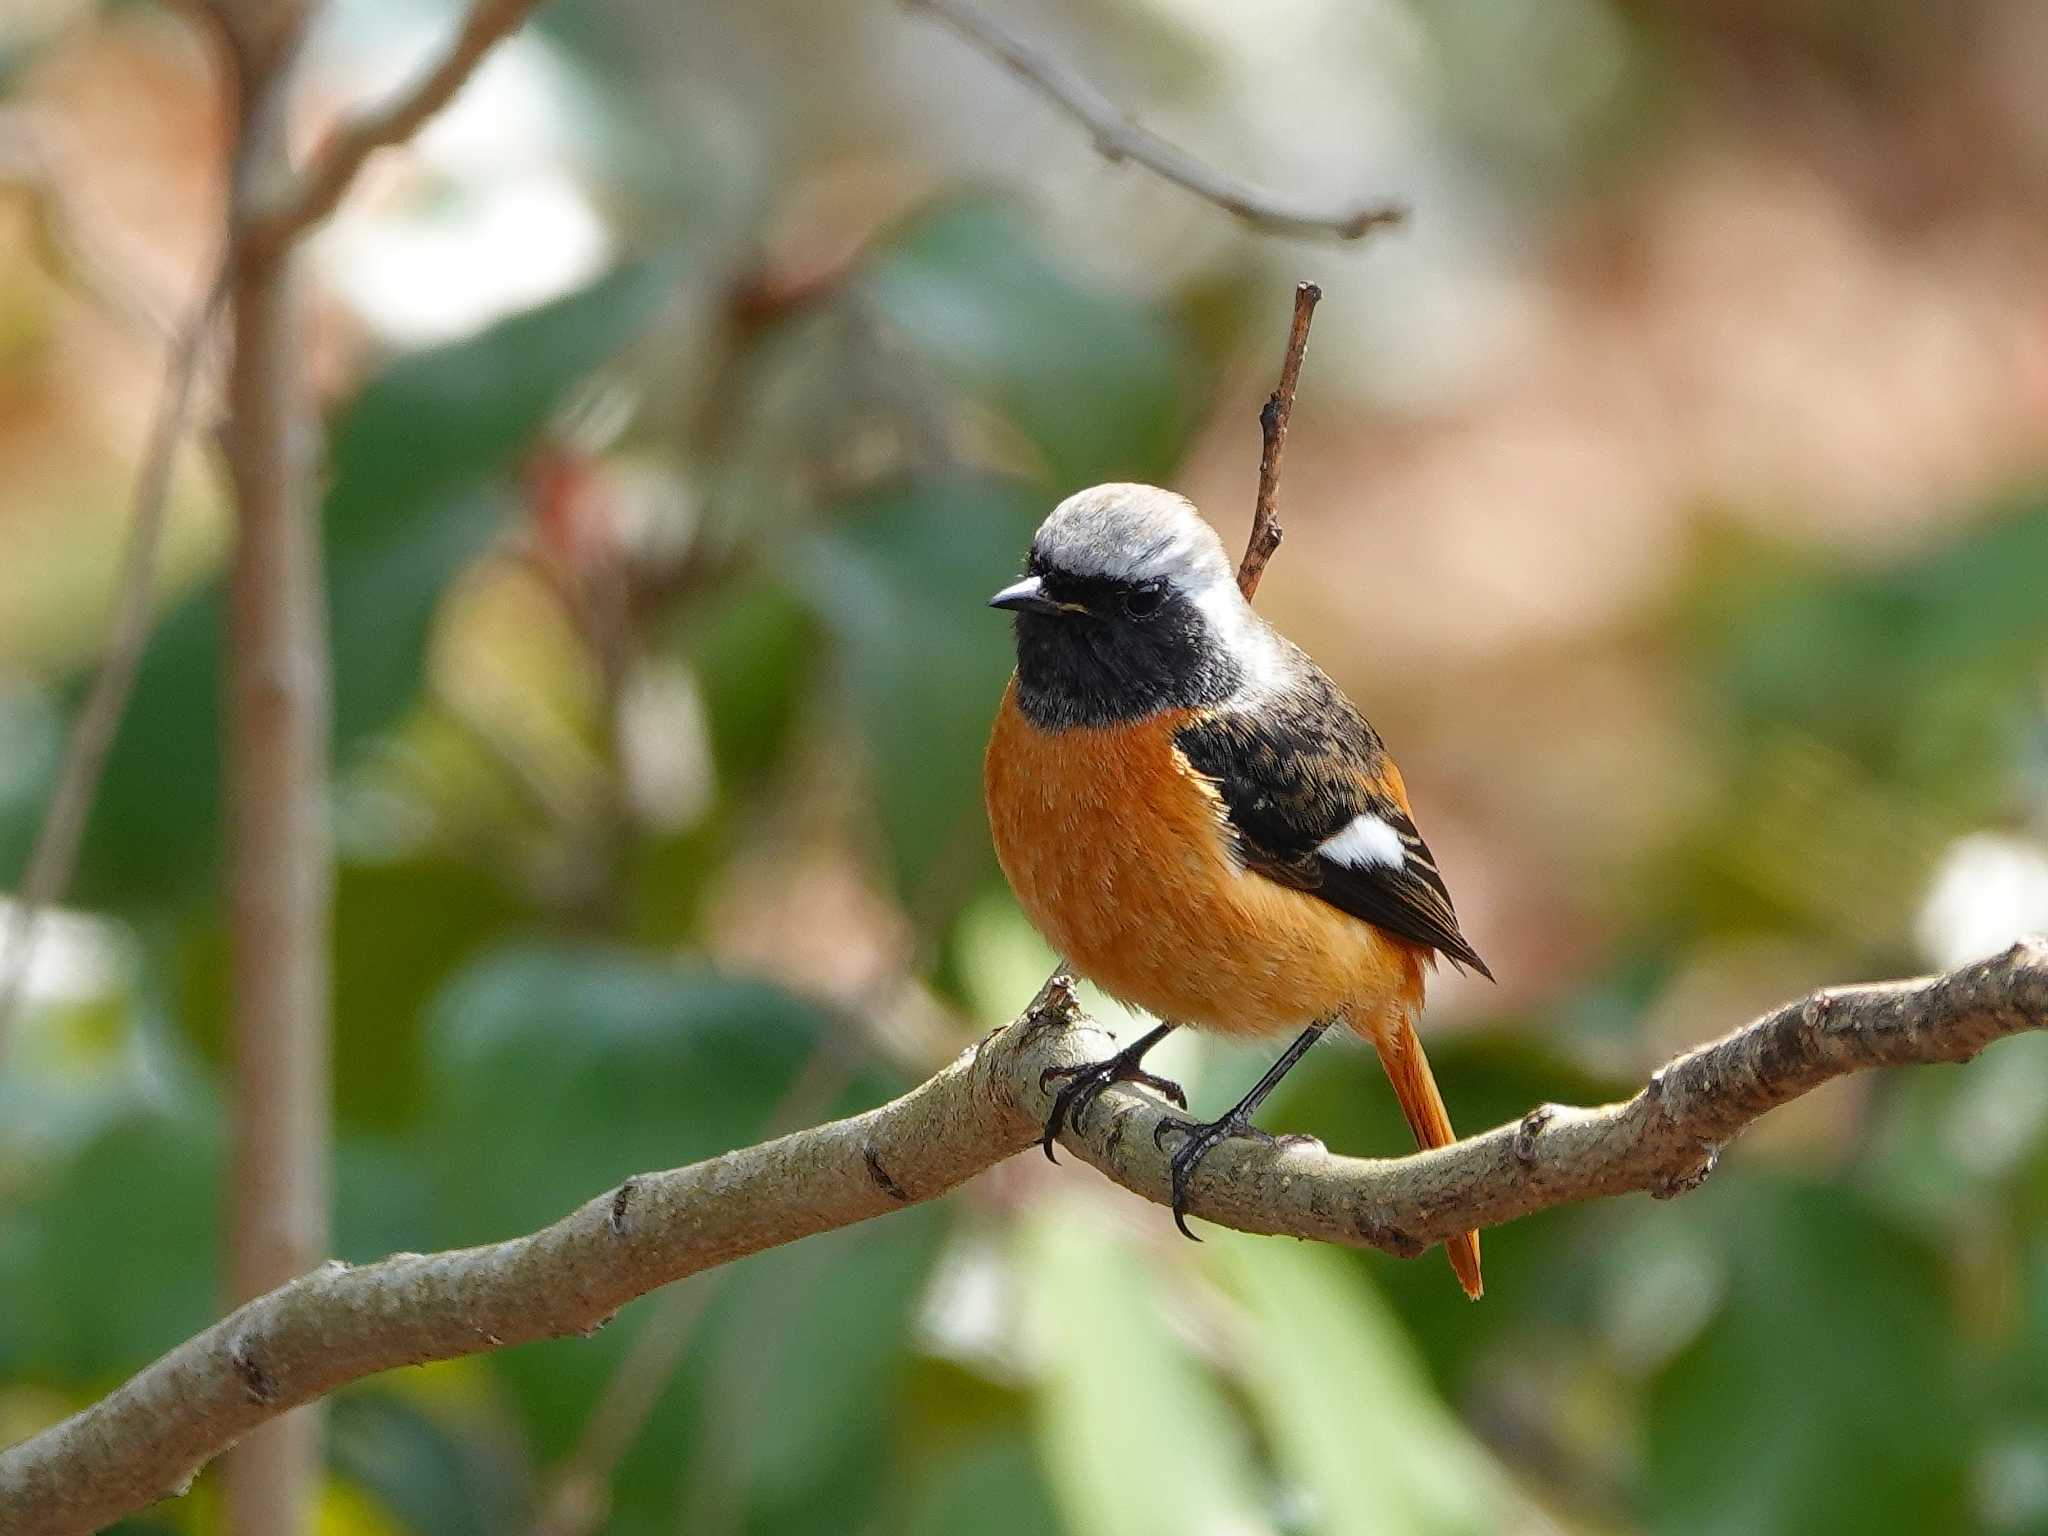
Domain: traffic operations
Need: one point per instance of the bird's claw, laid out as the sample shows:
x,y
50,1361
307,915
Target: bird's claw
x,y
1084,1086
1199,1140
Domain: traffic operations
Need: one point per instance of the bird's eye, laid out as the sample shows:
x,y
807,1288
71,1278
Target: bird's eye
x,y
1143,602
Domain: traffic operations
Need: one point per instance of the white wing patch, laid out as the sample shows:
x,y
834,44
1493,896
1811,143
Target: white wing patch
x,y
1366,841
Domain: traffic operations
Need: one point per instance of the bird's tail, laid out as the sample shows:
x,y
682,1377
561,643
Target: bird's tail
x,y
1393,1032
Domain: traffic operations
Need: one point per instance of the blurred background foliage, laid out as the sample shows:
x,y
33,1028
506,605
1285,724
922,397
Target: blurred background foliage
x,y
1673,491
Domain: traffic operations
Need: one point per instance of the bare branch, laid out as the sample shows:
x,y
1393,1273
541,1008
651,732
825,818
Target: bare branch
x,y
1117,137
320,188
147,1439
99,721
279,693
1278,411
281,857
258,236
278,687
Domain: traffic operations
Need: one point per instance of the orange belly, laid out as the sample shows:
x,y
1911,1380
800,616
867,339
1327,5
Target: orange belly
x,y
1119,853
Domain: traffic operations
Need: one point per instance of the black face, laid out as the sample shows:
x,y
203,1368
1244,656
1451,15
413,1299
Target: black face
x,y
1115,651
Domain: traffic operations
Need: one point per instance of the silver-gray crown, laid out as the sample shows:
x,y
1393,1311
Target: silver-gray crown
x,y
1129,532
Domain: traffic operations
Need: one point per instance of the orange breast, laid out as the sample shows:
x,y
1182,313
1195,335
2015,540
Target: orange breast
x,y
1118,851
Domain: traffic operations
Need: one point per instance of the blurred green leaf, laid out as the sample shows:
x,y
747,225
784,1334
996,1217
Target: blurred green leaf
x,y
442,419
31,746
1864,717
1340,1094
149,1525
1915,671
1945,1145
2034,1315
800,1399
995,1487
417,463
1101,388
752,652
115,1258
1346,1401
554,1073
402,928
383,1198
433,1482
1138,1439
117,1255
1825,1395
778,1414
902,577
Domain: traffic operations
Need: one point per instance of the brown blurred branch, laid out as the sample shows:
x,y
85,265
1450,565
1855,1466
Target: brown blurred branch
x,y
320,187
279,695
280,854
1118,138
336,1325
99,720
1273,419
23,159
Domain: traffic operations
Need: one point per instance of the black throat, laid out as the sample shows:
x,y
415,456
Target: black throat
x,y
1083,670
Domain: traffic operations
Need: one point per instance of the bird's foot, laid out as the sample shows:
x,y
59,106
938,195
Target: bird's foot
x,y
1198,1141
1084,1084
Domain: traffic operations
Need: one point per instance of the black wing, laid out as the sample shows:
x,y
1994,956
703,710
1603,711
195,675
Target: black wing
x,y
1295,774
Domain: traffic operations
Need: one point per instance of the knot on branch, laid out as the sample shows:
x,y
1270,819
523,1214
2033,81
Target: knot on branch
x,y
622,1201
1388,1238
256,1380
1532,1126
880,1175
1055,1008
1687,1180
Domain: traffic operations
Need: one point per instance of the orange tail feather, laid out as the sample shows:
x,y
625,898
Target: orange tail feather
x,y
1415,1086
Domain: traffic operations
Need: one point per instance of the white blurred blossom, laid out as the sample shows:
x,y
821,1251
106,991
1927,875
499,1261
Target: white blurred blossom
x,y
1989,890
483,213
72,958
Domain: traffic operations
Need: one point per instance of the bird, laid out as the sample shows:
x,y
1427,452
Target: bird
x,y
1199,821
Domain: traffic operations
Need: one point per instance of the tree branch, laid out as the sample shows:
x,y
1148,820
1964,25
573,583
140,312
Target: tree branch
x,y
333,1326
1273,418
279,697
259,235
278,685
316,192
1118,138
99,720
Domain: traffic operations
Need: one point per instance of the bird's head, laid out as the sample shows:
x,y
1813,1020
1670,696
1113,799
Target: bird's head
x,y
1129,606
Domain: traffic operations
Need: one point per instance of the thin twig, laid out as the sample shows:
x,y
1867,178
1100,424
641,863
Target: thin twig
x,y
315,195
281,858
1117,137
99,721
1278,411
147,1438
317,191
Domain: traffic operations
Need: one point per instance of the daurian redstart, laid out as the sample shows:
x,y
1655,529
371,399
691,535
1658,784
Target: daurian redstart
x,y
1202,824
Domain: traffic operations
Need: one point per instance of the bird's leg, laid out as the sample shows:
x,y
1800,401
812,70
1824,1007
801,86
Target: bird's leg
x,y
1085,1083
1200,1140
